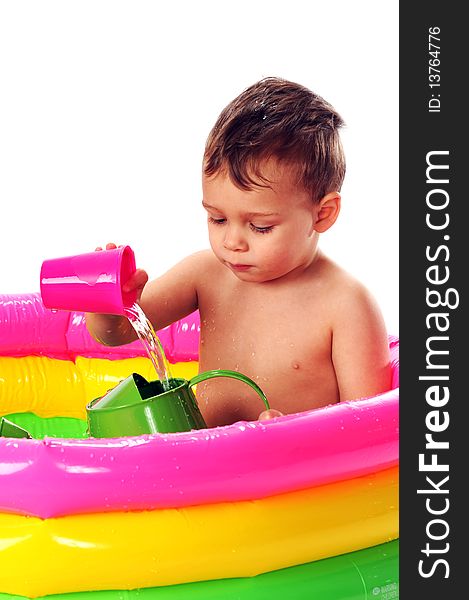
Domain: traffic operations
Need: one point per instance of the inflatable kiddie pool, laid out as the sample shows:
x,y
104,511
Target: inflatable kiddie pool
x,y
303,506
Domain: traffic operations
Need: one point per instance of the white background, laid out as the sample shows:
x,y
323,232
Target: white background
x,y
105,107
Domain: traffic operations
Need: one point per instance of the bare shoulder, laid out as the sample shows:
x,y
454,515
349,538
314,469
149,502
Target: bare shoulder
x,y
195,265
175,293
206,259
360,350
354,314
348,297
203,265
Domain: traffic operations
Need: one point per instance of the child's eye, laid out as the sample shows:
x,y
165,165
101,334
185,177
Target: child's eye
x,y
261,229
216,221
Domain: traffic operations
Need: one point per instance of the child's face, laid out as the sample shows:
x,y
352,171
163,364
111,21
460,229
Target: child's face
x,y
263,234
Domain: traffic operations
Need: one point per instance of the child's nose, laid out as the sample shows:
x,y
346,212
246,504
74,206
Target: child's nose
x,y
234,239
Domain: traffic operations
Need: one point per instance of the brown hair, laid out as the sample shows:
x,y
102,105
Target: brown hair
x,y
276,118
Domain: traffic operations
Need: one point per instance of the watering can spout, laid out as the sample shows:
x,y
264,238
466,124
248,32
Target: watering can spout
x,y
12,430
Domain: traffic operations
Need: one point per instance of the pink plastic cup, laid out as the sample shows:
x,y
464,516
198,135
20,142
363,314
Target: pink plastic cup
x,y
90,282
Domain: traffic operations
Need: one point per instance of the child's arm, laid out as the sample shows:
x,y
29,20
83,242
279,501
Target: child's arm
x,y
163,300
360,349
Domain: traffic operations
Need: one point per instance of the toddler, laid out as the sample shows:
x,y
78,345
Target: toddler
x,y
271,304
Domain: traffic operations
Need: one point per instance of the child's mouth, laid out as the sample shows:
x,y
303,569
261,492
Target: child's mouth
x,y
239,267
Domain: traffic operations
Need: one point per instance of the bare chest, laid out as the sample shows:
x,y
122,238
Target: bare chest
x,y
253,333
281,341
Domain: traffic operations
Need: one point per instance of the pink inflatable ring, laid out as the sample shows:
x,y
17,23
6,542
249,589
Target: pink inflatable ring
x,y
247,460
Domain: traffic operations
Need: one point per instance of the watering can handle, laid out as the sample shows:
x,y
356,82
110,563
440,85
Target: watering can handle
x,y
234,375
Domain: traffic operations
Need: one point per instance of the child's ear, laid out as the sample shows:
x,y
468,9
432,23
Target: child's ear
x,y
327,212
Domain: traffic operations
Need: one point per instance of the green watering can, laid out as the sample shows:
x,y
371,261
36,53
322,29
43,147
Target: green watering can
x,y
137,406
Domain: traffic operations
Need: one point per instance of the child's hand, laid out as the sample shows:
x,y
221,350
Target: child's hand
x,y
109,246
136,282
269,414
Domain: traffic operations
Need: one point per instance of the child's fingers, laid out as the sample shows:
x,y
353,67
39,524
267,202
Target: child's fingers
x,y
109,246
136,281
269,414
